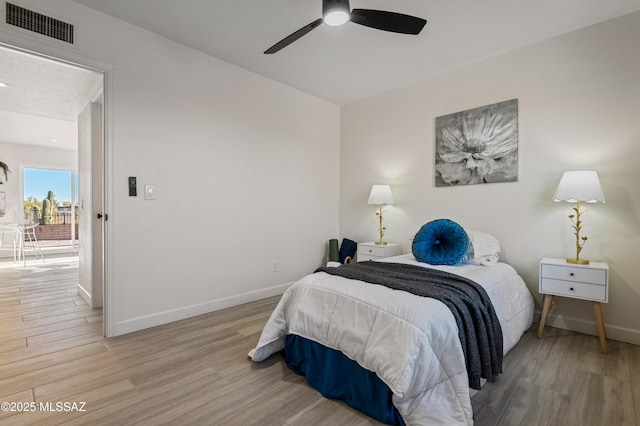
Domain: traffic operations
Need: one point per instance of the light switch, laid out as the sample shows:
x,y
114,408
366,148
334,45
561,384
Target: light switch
x,y
149,192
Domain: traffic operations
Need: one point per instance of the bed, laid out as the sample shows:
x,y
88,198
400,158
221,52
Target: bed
x,y
396,356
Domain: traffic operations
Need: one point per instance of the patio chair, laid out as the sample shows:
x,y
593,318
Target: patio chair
x,y
11,239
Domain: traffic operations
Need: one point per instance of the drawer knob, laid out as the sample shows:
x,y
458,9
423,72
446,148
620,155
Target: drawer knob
x,y
571,273
370,250
571,288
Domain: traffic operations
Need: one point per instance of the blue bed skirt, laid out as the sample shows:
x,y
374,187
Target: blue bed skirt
x,y
337,377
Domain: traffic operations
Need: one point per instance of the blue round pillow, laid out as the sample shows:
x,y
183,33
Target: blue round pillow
x,y
440,242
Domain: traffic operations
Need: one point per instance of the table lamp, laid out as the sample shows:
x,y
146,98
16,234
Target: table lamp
x,y
380,194
575,187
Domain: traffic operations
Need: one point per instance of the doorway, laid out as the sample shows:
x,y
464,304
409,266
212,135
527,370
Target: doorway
x,y
38,137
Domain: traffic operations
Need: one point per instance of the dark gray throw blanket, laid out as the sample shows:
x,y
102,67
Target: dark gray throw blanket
x,y
478,326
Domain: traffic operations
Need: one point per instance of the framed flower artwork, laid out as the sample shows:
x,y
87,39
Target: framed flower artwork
x,y
479,145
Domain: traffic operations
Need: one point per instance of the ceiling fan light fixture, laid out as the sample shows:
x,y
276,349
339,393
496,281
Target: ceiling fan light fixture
x,y
336,12
335,18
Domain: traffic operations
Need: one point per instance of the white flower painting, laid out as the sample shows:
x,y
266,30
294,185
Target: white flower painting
x,y
479,145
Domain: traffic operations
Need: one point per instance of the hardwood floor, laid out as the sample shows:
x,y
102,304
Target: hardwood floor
x,y
196,371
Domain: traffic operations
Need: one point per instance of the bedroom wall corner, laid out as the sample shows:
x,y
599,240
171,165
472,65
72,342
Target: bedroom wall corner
x,y
579,103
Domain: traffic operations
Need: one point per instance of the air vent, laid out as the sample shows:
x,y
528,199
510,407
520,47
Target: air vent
x,y
39,23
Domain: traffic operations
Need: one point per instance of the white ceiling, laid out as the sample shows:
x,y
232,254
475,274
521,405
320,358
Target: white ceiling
x,y
41,102
352,62
341,65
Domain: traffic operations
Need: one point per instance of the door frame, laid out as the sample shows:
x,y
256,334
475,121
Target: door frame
x,y
44,51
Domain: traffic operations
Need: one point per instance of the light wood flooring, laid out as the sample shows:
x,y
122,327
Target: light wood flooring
x,y
196,371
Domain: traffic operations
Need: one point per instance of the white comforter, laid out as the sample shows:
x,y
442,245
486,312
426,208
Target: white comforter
x,y
410,342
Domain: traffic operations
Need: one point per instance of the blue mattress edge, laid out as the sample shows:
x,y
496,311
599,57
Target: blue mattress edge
x,y
336,376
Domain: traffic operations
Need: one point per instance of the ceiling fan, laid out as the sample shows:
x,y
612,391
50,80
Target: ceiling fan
x,y
338,12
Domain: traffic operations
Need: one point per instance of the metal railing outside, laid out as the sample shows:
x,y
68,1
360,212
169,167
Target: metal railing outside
x,y
61,217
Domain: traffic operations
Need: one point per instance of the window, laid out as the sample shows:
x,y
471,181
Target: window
x,y
50,200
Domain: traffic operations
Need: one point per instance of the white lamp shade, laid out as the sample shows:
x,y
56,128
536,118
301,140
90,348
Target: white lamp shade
x,y
580,185
380,194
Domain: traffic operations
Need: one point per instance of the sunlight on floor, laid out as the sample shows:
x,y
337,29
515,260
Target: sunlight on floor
x,y
8,263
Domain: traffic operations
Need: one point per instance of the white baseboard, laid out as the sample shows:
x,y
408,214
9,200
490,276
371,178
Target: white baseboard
x,y
160,318
84,294
613,332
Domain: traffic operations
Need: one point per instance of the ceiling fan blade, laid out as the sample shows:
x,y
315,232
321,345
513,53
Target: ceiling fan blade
x,y
293,37
388,21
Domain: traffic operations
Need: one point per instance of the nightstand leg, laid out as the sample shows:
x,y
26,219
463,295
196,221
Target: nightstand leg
x,y
546,306
597,310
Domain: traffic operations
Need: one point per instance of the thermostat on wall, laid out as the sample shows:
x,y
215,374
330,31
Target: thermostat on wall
x,y
133,190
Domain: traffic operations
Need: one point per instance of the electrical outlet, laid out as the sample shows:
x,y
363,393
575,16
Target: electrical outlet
x,y
275,266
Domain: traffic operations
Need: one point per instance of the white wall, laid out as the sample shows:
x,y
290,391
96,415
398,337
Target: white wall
x,y
579,108
17,157
245,169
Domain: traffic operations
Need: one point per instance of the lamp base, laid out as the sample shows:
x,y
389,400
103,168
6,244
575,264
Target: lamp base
x,y
381,243
578,261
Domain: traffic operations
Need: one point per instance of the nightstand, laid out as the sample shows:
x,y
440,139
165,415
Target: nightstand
x,y
586,282
372,251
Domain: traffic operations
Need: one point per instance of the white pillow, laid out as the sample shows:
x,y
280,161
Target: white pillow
x,y
488,260
483,248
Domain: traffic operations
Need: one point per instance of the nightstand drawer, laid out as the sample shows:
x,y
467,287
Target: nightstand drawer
x,y
375,251
365,257
577,290
575,274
